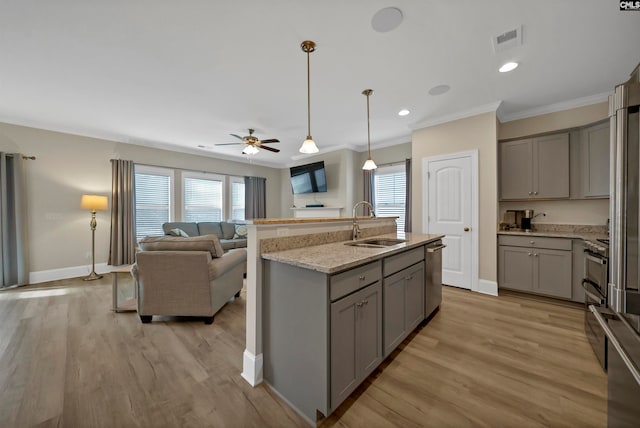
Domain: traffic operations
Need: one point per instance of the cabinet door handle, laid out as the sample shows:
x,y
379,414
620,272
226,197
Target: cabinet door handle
x,y
359,304
362,277
535,193
408,278
535,255
529,254
366,302
532,242
531,193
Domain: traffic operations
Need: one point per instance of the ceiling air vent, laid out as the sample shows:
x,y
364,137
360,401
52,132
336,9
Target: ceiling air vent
x,y
507,40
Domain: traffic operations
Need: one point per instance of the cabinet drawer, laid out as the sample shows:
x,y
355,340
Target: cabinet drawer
x,y
535,242
403,260
347,282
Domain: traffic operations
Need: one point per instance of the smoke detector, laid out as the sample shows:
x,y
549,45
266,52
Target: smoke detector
x,y
507,40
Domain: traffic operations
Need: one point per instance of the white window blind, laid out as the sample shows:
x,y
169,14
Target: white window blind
x,y
237,198
153,201
203,199
390,183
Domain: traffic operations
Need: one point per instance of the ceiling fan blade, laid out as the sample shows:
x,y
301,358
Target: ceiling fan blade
x,y
271,149
237,136
271,141
227,144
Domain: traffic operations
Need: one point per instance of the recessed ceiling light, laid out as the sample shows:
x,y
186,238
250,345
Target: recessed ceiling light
x,y
508,67
386,19
403,112
439,90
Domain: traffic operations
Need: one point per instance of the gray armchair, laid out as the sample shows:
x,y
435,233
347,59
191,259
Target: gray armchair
x,y
186,277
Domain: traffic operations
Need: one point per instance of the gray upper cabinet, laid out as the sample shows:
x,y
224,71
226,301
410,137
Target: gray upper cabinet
x,y
594,154
535,168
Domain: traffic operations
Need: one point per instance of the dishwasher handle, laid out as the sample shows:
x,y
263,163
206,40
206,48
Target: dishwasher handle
x,y
436,248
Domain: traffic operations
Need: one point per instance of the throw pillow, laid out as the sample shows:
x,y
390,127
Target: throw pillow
x,y
241,232
178,232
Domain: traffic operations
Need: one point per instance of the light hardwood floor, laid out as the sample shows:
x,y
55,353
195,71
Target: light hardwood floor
x,y
67,360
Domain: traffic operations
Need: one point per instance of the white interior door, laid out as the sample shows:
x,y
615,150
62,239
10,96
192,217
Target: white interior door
x,y
450,212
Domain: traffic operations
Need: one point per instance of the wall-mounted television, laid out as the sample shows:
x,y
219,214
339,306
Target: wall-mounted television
x,y
309,178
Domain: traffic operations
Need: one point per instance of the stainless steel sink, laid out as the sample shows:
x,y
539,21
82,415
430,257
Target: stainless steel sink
x,y
375,242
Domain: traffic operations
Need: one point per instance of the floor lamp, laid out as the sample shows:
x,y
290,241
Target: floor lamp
x,y
93,203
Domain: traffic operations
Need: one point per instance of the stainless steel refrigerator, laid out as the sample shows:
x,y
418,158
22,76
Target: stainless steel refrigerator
x,y
622,327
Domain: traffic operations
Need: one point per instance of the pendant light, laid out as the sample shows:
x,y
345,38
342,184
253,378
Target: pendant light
x,y
369,164
308,146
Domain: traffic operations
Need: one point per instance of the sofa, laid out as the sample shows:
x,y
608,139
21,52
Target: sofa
x,y
231,235
186,276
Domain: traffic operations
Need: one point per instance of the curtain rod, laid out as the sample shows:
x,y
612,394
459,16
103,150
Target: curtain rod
x,y
189,169
23,156
394,163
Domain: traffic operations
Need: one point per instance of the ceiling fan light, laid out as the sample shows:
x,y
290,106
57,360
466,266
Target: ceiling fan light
x,y
369,165
250,150
309,146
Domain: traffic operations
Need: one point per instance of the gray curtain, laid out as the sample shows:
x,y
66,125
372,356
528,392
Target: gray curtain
x,y
123,235
255,199
407,201
14,250
367,179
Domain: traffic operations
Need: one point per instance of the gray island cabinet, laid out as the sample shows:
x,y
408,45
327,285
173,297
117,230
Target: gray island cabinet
x,y
326,328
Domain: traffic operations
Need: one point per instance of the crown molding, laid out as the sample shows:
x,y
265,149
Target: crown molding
x,y
553,108
486,108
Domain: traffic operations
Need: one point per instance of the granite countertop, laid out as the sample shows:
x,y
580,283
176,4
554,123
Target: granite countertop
x,y
336,257
587,236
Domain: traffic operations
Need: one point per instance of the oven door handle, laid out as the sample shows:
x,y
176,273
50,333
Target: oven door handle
x,y
598,299
616,344
595,259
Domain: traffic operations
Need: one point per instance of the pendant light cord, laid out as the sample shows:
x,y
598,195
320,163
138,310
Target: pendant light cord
x,y
308,97
368,128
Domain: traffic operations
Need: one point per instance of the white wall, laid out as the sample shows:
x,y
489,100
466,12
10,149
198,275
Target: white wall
x,y
68,166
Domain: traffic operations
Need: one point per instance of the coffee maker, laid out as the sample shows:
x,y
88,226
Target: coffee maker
x,y
527,216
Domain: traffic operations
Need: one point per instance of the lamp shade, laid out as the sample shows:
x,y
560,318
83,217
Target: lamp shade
x,y
93,202
309,146
369,165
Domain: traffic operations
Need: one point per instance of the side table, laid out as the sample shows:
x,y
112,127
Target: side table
x,y
128,304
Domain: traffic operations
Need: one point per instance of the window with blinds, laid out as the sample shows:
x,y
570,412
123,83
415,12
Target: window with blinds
x,y
390,183
237,198
153,200
203,198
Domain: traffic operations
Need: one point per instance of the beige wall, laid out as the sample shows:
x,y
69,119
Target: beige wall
x,y
581,211
68,166
553,121
477,132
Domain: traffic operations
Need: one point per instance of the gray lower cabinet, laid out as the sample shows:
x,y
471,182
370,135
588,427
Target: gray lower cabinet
x,y
356,340
403,305
536,265
324,334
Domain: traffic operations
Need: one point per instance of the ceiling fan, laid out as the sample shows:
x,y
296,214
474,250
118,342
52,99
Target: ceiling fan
x,y
253,143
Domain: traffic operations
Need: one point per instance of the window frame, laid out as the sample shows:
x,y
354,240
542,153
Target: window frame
x,y
160,171
389,170
210,176
236,179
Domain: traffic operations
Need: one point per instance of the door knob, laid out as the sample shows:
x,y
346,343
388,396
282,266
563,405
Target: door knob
x,y
466,229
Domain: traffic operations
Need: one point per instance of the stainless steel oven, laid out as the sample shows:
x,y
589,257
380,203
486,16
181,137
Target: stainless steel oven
x,y
594,282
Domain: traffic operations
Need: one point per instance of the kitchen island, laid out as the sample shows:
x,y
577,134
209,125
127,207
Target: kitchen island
x,y
333,312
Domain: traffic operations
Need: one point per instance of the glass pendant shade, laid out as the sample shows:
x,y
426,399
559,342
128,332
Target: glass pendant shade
x,y
250,150
309,146
369,165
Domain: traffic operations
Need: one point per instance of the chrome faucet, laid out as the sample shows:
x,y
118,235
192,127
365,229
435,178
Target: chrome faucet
x,y
356,226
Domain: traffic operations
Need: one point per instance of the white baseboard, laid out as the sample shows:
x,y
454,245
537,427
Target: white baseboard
x,y
252,368
487,287
65,273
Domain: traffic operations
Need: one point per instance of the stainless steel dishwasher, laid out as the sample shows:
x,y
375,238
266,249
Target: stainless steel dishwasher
x,y
433,279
